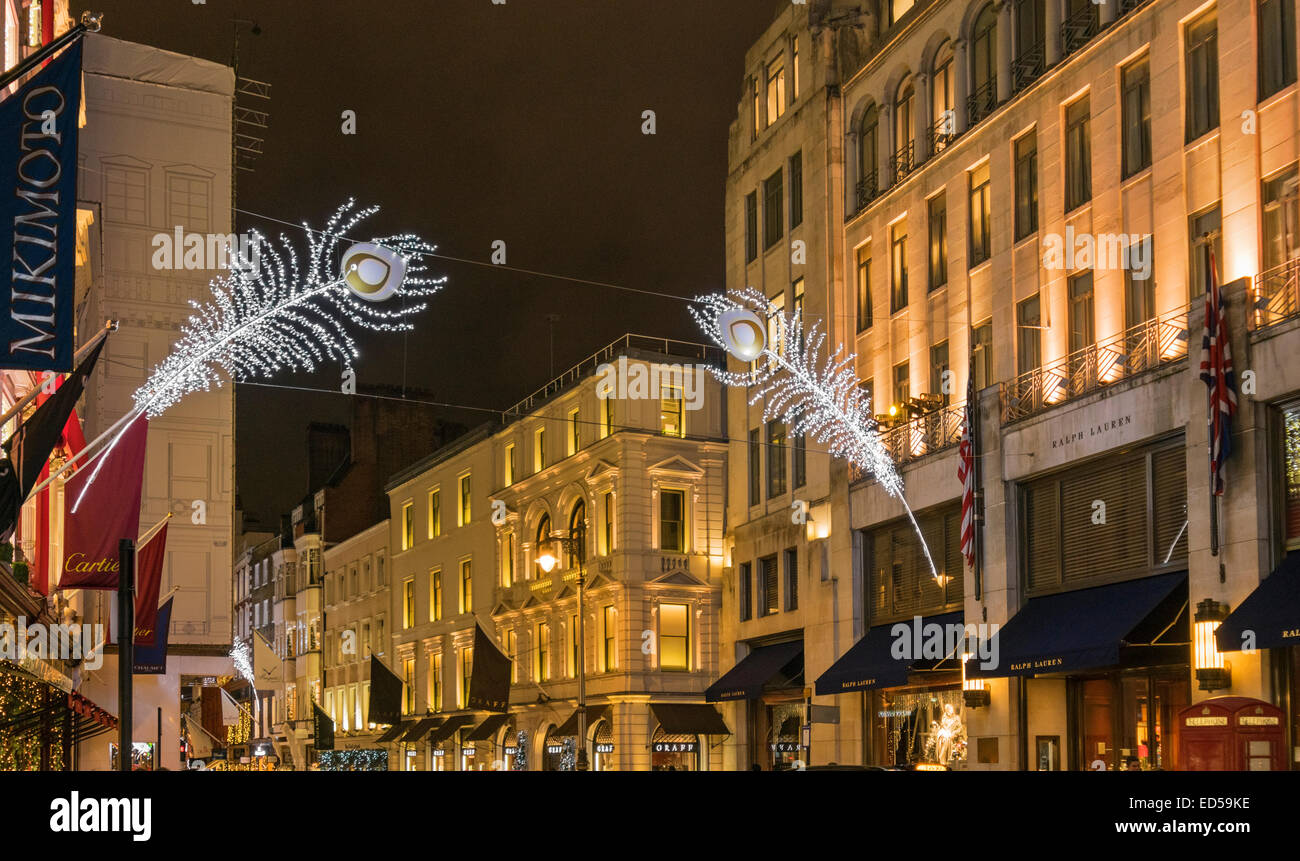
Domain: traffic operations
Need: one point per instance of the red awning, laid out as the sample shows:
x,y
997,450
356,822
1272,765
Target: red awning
x,y
90,712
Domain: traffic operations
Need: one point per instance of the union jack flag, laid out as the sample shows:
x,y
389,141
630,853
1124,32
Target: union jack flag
x,y
966,475
1216,371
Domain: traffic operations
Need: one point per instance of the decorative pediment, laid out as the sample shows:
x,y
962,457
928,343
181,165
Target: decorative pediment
x,y
502,608
566,592
678,465
599,468
678,578
531,602
597,581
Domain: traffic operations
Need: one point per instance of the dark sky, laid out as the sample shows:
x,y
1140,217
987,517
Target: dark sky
x,y
478,122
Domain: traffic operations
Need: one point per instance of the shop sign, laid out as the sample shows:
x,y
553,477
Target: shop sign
x,y
675,747
785,746
1213,720
604,747
555,748
467,751
511,750
1257,720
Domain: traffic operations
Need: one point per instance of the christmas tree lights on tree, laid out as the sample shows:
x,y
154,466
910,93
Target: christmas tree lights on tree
x,y
813,396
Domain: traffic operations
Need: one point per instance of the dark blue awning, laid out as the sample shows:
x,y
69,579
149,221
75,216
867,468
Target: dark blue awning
x,y
1271,612
1079,630
746,679
870,662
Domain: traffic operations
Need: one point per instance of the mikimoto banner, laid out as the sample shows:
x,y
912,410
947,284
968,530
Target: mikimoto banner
x,y
101,506
38,215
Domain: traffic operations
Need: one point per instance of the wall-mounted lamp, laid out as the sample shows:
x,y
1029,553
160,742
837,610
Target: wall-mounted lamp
x,y
1213,673
973,692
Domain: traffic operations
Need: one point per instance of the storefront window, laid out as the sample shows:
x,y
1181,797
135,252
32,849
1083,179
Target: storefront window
x,y
1291,453
438,759
1129,720
918,725
602,747
469,759
783,721
674,752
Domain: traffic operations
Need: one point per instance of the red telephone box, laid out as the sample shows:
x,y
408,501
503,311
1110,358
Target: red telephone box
x,y
1232,734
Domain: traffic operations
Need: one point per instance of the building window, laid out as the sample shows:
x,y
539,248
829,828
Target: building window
x,y
904,130
126,194
1078,155
868,157
796,189
751,226
543,539
864,289
942,90
775,89
981,243
408,602
674,637
608,547
1135,99
898,578
1277,65
435,514
607,418
610,635
466,673
408,525
435,682
672,411
791,579
745,591
1031,40
466,587
510,464
868,390
1291,479
508,563
758,108
772,210
776,323
435,595
1026,185
939,382
539,449
463,511
776,439
902,386
1029,325
898,267
1140,284
575,435
577,550
1083,332
799,458
1204,231
672,521
544,652
770,584
188,200
1202,75
982,355
755,467
938,241
1281,218
512,652
408,686
984,66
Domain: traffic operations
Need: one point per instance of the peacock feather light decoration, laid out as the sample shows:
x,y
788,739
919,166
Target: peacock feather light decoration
x,y
812,395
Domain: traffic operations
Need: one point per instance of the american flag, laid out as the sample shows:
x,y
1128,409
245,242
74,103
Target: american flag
x,y
966,475
1216,371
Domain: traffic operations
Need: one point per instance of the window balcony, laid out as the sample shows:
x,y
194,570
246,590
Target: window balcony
x,y
982,101
1028,67
907,440
904,161
1275,295
868,189
1079,28
1153,344
942,134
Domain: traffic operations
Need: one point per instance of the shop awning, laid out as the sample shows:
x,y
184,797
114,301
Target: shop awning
x,y
1271,612
393,732
570,726
1085,629
488,729
870,662
748,677
689,719
420,729
453,723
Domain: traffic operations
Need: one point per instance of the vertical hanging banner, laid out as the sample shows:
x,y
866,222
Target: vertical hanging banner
x,y
152,660
101,506
38,215
148,581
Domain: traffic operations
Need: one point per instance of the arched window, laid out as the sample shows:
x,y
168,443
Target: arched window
x,y
942,95
904,130
984,65
543,540
868,157
1031,43
578,533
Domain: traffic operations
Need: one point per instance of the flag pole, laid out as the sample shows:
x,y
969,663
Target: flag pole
x,y
125,649
1210,402
90,23
17,408
977,516
153,530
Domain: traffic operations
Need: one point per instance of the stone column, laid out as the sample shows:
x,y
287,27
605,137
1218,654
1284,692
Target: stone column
x,y
1052,49
630,714
1003,9
1109,9
921,116
961,67
886,127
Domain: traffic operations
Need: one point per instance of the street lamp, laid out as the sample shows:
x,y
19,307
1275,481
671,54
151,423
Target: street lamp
x,y
1213,673
574,545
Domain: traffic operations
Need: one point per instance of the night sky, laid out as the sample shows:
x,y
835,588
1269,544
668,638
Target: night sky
x,y
477,122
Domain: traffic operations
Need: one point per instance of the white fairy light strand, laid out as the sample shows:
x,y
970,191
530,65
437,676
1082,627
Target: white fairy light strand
x,y
812,396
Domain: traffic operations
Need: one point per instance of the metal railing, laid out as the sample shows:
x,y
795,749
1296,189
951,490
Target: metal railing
x,y
1127,6
1152,344
1028,66
982,101
942,133
1276,295
1079,28
904,160
667,347
909,439
868,189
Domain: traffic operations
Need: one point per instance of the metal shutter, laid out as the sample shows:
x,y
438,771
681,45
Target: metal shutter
x,y
1042,535
1119,544
1169,501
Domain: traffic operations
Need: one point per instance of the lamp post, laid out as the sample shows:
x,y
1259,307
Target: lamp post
x,y
575,544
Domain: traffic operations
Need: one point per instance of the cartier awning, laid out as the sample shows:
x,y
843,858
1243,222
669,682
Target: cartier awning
x,y
1271,612
570,726
878,660
1085,629
689,719
444,732
753,672
486,730
393,732
420,729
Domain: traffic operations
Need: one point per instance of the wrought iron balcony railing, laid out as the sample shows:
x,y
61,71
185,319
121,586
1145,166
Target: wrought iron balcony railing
x,y
1079,28
868,189
982,101
1276,295
1152,344
1028,67
904,160
909,439
942,133
1127,6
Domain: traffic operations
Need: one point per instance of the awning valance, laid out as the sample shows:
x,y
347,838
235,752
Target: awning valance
x,y
420,729
393,732
689,719
489,728
570,726
1084,629
1271,612
445,730
753,672
871,661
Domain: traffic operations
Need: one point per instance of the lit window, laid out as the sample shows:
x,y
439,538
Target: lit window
x,y
539,449
435,595
575,436
512,652
408,686
435,682
611,638
408,525
672,521
466,587
462,516
544,652
408,602
674,637
435,514
510,464
672,411
775,89
466,672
